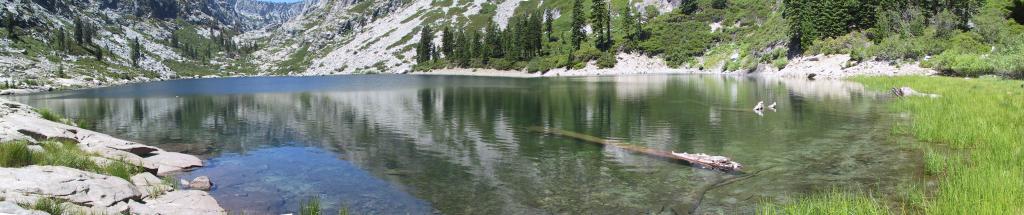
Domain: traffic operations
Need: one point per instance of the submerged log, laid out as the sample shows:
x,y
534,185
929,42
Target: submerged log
x,y
699,160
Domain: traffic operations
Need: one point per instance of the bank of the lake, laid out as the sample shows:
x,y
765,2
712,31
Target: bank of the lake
x,y
50,166
973,145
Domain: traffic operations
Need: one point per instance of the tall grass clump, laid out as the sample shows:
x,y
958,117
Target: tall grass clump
x,y
15,154
310,206
980,119
48,205
120,169
833,202
55,153
50,115
65,154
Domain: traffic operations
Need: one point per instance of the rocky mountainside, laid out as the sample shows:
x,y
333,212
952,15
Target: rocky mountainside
x,y
101,42
254,14
54,44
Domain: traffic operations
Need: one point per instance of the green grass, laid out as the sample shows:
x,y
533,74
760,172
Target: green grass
x,y
313,206
50,115
48,205
310,207
834,202
978,120
15,154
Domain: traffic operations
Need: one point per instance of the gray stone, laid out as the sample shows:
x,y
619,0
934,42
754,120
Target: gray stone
x,y
76,186
179,202
171,162
36,148
14,208
149,185
201,183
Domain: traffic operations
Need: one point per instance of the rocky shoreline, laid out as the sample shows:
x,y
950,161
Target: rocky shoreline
x,y
816,67
87,192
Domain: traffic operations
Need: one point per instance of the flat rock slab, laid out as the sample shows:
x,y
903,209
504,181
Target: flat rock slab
x,y
171,162
179,202
27,184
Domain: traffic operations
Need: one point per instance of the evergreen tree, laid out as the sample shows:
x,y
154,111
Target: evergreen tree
x,y
601,24
425,49
631,28
447,41
10,25
689,7
136,53
493,38
549,19
578,22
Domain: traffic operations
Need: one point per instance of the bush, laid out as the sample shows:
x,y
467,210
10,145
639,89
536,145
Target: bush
x,y
968,43
607,60
780,63
15,154
840,45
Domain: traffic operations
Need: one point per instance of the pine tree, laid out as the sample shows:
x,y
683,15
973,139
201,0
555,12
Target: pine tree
x,y
630,27
578,22
601,21
136,53
10,25
425,49
447,45
549,18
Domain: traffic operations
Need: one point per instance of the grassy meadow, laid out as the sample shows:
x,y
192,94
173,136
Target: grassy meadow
x,y
973,138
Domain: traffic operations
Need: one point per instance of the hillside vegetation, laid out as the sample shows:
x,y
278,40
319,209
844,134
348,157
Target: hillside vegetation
x,y
967,38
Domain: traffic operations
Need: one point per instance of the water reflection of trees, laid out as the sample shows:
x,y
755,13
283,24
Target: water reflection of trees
x,y
466,149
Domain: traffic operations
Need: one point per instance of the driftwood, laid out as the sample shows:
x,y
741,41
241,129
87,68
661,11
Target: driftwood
x,y
700,160
907,91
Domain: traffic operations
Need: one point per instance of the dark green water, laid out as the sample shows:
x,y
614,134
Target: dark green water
x,y
460,145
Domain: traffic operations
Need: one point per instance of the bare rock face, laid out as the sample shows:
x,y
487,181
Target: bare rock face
x,y
14,208
201,183
179,202
27,184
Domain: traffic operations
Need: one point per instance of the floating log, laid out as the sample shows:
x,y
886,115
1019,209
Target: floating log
x,y
701,160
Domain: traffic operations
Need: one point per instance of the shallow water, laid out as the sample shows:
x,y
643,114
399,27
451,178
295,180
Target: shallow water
x,y
388,144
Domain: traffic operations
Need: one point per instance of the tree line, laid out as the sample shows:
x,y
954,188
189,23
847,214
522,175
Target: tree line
x,y
531,38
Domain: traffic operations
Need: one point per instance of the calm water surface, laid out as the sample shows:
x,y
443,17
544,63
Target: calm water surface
x,y
389,144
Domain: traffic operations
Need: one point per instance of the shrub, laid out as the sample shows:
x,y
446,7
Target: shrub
x,y
968,43
607,60
780,63
840,45
15,154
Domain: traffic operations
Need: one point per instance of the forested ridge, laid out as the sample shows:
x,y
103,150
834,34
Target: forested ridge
x,y
969,38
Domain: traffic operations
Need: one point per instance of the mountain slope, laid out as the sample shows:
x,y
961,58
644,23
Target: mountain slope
x,y
86,43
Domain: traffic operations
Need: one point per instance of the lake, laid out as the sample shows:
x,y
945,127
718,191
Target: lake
x,y
400,144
